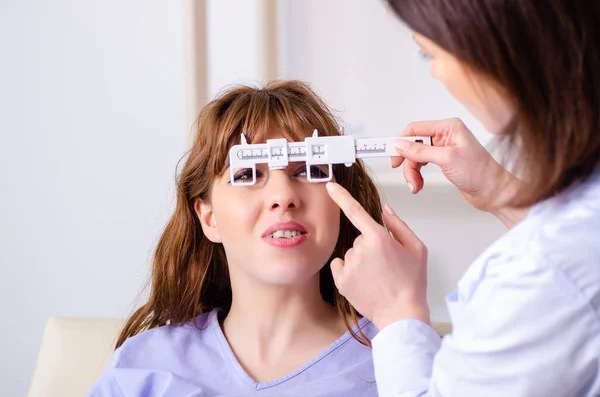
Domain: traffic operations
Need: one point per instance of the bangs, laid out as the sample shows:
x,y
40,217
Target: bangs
x,y
259,114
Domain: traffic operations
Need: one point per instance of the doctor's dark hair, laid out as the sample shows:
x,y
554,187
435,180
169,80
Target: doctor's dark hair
x,y
546,56
189,272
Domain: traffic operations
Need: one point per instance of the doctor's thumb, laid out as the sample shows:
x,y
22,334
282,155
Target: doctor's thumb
x,y
337,267
400,230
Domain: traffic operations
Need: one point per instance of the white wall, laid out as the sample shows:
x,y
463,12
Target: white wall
x,y
92,124
237,45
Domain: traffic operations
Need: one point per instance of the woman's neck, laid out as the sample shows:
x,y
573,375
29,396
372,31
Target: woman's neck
x,y
278,328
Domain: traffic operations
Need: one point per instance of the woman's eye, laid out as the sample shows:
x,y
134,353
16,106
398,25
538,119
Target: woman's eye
x,y
424,56
245,175
315,172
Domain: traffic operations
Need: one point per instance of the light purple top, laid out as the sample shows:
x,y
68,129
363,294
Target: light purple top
x,y
196,360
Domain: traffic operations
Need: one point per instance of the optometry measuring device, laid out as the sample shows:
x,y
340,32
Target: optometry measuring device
x,y
314,151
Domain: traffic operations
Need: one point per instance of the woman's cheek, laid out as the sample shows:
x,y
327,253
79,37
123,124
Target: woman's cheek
x,y
237,212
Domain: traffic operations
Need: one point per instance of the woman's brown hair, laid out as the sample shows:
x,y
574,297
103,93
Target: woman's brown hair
x,y
546,55
189,272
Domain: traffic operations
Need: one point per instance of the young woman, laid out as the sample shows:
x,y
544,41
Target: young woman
x,y
243,300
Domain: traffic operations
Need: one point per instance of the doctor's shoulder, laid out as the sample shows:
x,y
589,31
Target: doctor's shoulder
x,y
561,235
559,238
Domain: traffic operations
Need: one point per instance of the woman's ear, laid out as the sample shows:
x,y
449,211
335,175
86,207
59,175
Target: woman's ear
x,y
206,215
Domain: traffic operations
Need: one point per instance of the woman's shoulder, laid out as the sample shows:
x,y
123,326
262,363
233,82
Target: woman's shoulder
x,y
162,343
158,360
368,328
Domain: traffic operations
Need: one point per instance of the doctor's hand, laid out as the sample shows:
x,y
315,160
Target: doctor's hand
x,y
463,160
384,274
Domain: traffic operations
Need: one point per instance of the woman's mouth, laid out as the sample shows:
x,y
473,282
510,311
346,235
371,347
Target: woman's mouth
x,y
285,234
285,238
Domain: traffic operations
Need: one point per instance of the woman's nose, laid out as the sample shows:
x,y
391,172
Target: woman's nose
x,y
282,194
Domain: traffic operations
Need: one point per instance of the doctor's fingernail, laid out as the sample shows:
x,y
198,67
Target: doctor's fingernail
x,y
401,145
330,186
411,188
389,209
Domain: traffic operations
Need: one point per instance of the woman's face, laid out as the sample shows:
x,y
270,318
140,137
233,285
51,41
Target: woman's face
x,y
476,92
282,230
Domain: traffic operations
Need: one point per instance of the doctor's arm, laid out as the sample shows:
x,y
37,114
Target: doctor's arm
x,y
522,332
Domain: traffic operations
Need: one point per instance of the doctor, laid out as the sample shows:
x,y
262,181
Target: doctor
x,y
526,314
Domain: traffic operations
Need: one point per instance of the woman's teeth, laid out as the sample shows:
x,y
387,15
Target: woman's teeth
x,y
285,234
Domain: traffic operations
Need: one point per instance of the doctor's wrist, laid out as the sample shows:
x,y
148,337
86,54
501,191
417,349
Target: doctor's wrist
x,y
418,311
